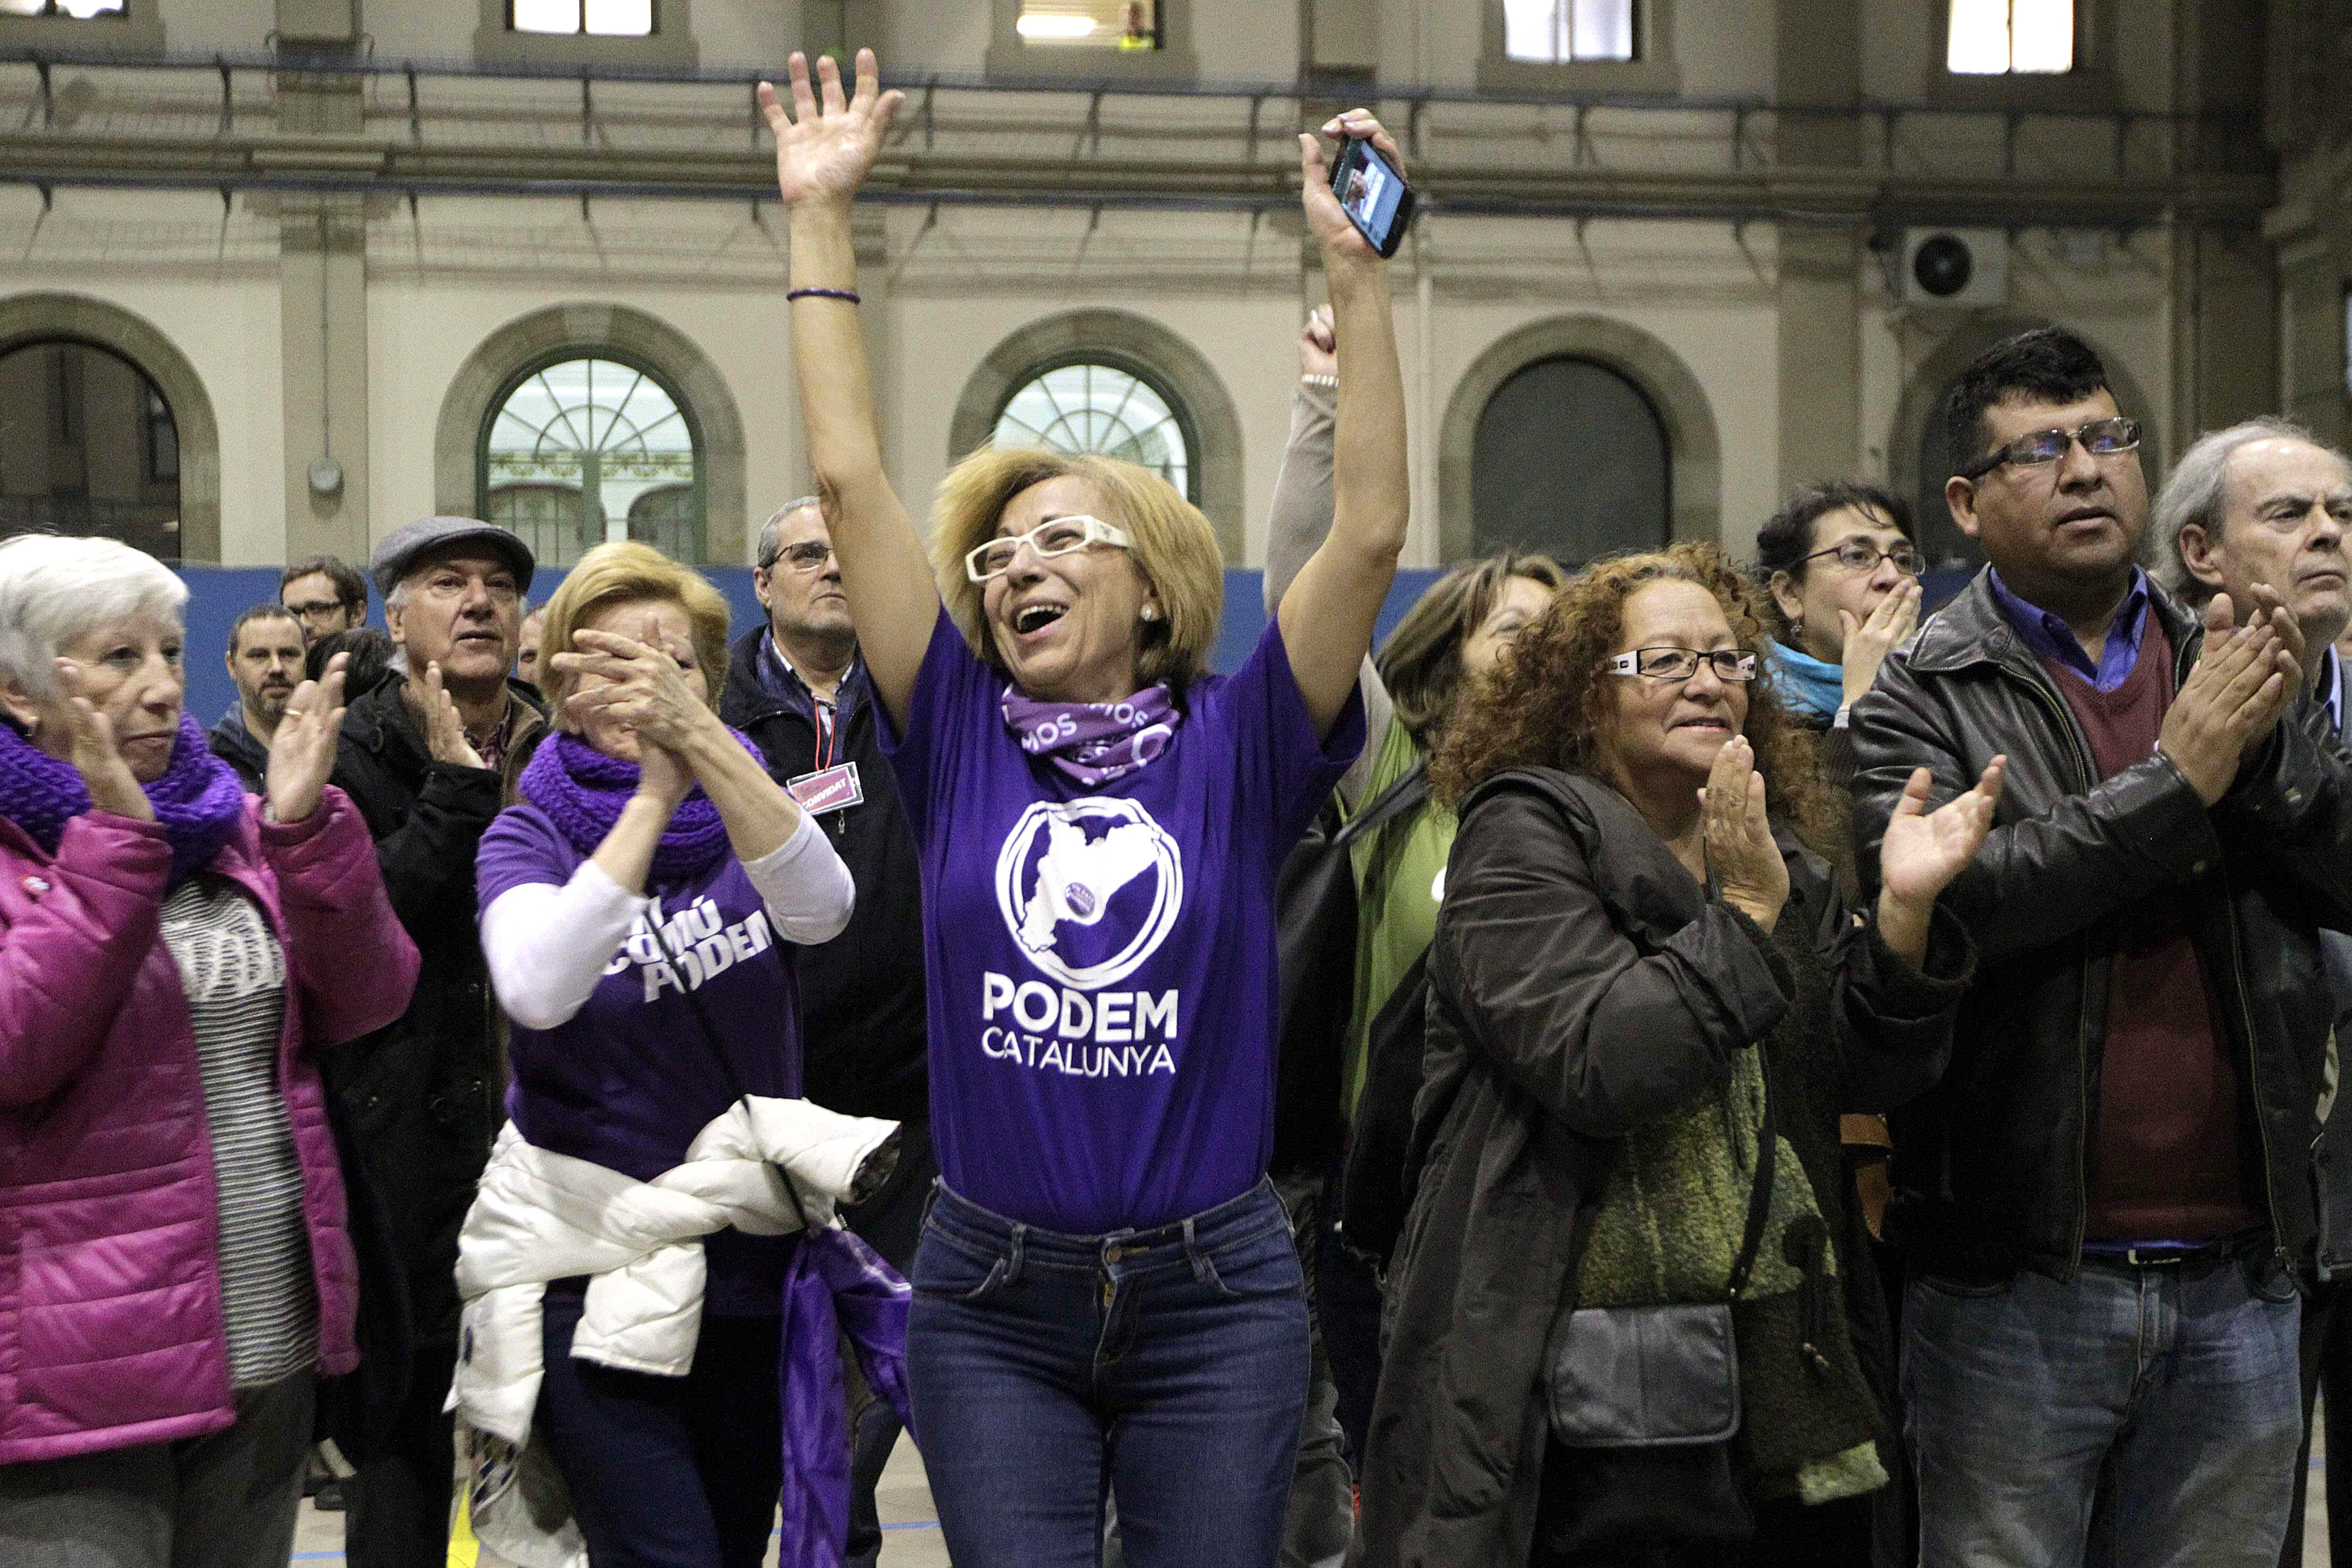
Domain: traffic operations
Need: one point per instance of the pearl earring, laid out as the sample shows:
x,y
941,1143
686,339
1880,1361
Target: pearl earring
x,y
1150,613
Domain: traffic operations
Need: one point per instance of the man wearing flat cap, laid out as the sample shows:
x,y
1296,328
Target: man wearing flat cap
x,y
429,757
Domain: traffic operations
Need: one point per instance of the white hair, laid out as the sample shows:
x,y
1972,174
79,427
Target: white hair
x,y
2198,491
772,532
54,590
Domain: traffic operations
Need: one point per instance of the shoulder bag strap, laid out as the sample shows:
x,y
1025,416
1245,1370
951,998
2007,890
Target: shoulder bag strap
x,y
1410,789
1759,1201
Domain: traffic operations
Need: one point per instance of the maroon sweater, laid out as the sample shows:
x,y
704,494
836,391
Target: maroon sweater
x,y
2163,1154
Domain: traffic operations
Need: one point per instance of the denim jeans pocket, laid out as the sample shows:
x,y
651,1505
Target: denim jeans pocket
x,y
1964,1290
2268,1279
1265,1264
955,1269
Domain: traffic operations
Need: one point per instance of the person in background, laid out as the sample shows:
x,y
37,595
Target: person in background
x,y
264,659
527,647
644,814
797,687
1644,969
2124,1136
370,653
174,951
326,595
1107,1297
1451,638
2263,504
1841,564
429,759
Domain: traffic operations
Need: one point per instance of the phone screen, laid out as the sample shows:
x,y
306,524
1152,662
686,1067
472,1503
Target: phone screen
x,y
1373,196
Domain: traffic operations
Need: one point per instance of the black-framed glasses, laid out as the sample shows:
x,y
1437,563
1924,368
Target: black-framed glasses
x,y
1860,555
809,555
1682,664
2100,438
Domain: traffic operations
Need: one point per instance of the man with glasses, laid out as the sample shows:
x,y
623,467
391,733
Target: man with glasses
x,y
429,757
2265,503
326,595
797,687
2099,1202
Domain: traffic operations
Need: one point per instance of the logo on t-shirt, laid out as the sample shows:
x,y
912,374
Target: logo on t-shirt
x,y
1089,888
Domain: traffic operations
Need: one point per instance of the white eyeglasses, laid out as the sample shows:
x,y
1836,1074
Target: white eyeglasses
x,y
1056,536
1682,664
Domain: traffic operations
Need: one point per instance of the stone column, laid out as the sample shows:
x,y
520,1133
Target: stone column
x,y
1820,326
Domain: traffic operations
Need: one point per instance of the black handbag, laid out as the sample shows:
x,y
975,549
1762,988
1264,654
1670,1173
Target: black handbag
x,y
1659,1376
1315,936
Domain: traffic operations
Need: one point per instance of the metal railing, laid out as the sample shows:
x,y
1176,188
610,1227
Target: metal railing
x,y
426,127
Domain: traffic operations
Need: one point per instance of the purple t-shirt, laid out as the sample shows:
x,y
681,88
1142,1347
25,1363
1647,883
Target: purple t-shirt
x,y
630,1078
1101,958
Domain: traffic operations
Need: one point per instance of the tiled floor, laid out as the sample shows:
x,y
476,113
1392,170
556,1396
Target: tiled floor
x,y
910,1530
912,1533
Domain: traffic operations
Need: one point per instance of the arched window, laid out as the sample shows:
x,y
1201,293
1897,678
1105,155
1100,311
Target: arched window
x,y
1571,459
585,450
1115,409
88,446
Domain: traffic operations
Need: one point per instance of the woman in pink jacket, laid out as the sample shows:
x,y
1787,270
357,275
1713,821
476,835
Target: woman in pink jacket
x,y
175,1270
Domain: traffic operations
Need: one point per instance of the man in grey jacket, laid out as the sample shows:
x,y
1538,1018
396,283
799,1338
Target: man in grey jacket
x,y
2265,503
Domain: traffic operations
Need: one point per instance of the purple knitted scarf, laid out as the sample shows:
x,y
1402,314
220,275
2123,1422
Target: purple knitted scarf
x,y
582,791
198,801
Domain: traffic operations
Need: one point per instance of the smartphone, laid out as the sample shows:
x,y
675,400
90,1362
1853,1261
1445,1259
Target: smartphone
x,y
1373,196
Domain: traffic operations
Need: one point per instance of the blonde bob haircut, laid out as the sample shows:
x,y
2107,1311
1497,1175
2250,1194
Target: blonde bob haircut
x,y
1175,549
630,572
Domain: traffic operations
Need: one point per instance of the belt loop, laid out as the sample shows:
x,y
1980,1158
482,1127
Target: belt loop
x,y
1195,1256
1012,1253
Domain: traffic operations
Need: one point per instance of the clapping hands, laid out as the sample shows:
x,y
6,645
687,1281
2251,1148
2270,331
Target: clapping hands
x,y
302,751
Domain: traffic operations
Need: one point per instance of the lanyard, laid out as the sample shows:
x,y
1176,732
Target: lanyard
x,y
828,733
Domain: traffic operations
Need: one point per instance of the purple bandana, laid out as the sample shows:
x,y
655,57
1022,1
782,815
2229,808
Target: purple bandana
x,y
198,800
582,791
1095,743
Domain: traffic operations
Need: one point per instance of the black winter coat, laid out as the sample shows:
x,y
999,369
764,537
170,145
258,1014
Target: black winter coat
x,y
1988,1168
862,1021
425,1096
1581,983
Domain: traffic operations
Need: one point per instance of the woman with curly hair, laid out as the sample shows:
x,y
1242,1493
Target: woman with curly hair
x,y
1648,1005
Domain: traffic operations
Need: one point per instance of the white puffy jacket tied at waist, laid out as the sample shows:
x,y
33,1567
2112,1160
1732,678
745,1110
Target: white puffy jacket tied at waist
x,y
540,1215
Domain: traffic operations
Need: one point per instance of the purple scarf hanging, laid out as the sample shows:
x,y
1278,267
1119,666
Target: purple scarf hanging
x,y
582,791
1095,743
198,800
836,1287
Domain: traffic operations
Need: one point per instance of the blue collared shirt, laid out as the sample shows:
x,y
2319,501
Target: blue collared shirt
x,y
2334,687
2050,637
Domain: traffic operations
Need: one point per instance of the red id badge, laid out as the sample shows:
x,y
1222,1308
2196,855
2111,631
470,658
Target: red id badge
x,y
835,789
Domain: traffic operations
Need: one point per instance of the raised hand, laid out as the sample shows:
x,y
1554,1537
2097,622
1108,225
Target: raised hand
x,y
2234,692
1923,851
111,785
2271,607
824,147
1746,862
445,731
1339,238
1868,643
302,751
1318,344
641,688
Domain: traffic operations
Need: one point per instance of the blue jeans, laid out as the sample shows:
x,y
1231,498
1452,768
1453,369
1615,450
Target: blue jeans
x,y
2140,1415
1168,1365
668,1472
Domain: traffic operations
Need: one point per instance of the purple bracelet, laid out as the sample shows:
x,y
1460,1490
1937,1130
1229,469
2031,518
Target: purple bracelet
x,y
848,294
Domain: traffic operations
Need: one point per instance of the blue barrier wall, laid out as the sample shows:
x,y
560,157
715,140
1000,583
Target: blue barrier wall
x,y
218,595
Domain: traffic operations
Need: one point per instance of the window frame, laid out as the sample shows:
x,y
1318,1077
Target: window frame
x,y
1126,364
2091,84
1652,71
670,44
137,29
610,354
1009,58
